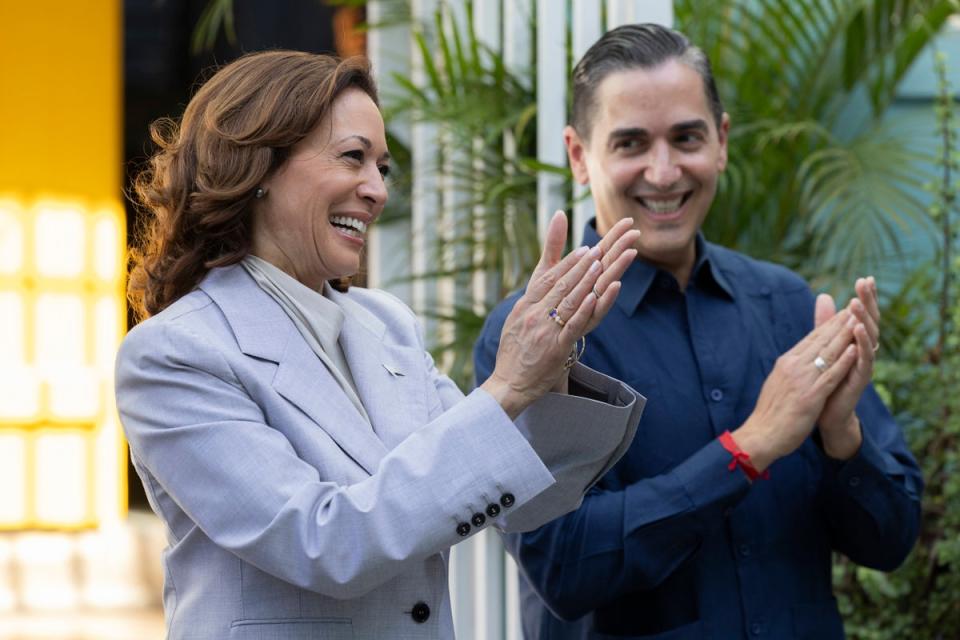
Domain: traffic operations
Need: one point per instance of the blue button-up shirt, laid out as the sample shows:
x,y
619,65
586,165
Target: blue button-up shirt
x,y
671,543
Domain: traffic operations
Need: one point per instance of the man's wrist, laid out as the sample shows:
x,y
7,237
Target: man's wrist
x,y
843,442
756,445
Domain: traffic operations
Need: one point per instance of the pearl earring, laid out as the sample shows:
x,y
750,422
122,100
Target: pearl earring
x,y
260,193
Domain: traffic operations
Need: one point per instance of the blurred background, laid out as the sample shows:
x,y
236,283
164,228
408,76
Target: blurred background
x,y
844,161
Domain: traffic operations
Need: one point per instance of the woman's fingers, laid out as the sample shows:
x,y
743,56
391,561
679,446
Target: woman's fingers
x,y
565,277
553,245
583,288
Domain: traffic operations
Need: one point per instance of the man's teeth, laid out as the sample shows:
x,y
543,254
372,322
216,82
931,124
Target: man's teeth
x,y
662,206
352,226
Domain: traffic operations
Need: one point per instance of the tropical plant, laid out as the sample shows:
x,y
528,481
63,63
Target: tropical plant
x,y
816,180
920,382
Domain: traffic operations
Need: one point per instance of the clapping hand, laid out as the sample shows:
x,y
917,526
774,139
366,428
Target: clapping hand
x,y
565,299
838,423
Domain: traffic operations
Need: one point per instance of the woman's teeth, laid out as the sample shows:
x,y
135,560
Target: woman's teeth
x,y
350,226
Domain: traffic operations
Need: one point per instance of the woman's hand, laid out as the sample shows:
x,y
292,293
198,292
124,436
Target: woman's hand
x,y
564,300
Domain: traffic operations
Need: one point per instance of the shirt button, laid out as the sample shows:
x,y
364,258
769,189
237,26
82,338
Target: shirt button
x,y
854,481
756,628
463,529
507,500
493,509
478,519
716,395
744,550
420,612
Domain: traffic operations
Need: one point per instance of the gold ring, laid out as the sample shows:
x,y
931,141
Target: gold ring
x,y
555,316
575,354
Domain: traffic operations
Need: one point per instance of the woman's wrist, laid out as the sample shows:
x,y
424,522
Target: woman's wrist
x,y
510,400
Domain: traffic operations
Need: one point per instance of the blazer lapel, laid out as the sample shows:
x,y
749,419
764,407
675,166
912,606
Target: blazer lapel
x,y
389,377
264,331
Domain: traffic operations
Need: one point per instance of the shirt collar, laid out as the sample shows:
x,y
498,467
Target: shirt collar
x,y
640,275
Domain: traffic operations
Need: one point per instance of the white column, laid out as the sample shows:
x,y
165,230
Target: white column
x,y
552,114
629,11
389,260
587,28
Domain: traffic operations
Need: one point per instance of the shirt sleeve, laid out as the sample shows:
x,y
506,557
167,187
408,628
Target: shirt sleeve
x,y
872,501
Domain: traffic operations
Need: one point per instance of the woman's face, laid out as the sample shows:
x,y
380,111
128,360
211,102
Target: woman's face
x,y
313,221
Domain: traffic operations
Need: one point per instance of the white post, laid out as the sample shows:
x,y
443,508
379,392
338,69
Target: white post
x,y
629,11
388,249
587,28
551,96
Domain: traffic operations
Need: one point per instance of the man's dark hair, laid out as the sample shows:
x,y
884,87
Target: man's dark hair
x,y
634,46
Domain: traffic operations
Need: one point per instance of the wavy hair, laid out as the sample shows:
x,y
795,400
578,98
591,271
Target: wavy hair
x,y
197,188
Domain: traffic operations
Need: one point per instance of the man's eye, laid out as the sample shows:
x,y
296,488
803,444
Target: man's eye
x,y
689,139
626,145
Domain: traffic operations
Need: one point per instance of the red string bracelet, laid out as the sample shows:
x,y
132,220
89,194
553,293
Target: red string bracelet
x,y
741,458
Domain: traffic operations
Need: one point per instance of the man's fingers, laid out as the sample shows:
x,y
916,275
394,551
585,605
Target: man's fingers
x,y
814,342
833,375
824,309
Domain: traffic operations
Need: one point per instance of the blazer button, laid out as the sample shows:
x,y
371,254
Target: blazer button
x,y
420,612
478,519
463,529
493,509
507,500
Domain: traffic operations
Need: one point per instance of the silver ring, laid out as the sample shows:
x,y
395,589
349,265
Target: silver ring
x,y
595,292
820,364
876,347
555,316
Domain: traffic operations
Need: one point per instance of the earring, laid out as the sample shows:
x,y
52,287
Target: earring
x,y
260,193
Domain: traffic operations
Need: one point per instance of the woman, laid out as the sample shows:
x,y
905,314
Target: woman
x,y
311,464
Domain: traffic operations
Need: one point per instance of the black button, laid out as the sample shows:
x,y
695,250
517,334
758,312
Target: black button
x,y
493,509
756,628
420,612
463,529
478,519
744,550
507,500
854,481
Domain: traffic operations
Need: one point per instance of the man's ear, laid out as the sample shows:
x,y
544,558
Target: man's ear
x,y
723,133
576,152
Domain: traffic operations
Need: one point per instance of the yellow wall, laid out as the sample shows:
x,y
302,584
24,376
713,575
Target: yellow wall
x,y
62,257
60,97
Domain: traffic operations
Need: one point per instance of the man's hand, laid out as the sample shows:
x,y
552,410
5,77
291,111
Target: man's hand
x,y
838,423
794,393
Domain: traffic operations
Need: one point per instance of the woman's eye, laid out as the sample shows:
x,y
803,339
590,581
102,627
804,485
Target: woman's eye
x,y
354,155
384,170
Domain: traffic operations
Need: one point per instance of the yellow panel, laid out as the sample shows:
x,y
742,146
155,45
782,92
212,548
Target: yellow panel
x,y
13,477
11,237
60,98
62,262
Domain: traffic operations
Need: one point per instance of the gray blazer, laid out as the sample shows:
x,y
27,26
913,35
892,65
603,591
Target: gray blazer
x,y
288,516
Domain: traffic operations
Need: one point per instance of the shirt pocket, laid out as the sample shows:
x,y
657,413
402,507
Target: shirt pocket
x,y
292,629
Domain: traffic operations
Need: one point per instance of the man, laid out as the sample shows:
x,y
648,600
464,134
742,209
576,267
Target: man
x,y
763,447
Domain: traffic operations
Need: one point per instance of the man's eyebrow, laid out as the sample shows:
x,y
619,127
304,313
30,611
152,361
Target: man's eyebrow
x,y
628,132
698,124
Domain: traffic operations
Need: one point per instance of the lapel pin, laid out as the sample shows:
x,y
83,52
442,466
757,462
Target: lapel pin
x,y
392,371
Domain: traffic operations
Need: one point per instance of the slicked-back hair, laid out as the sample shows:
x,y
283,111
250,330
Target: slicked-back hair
x,y
197,189
635,46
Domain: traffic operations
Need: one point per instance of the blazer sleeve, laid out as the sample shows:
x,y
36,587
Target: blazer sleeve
x,y
201,437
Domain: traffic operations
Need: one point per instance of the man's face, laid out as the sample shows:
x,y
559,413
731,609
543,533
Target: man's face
x,y
654,155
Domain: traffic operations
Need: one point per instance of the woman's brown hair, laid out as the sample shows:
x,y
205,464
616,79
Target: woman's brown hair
x,y
197,188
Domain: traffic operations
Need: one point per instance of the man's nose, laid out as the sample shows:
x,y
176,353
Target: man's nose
x,y
662,170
